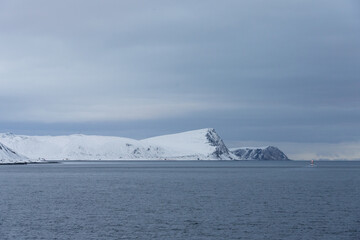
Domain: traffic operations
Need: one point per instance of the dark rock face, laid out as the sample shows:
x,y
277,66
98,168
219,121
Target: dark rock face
x,y
6,149
216,141
269,153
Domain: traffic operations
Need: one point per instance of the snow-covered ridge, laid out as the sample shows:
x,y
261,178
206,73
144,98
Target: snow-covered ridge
x,y
8,155
203,144
259,153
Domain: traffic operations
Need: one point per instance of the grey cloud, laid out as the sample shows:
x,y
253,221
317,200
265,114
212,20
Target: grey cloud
x,y
269,69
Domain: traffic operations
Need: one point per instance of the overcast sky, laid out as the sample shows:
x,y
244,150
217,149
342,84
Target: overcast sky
x,y
276,72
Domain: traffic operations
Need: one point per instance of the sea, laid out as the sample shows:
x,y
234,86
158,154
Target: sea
x,y
180,200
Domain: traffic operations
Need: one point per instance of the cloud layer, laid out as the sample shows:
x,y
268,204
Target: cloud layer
x,y
256,70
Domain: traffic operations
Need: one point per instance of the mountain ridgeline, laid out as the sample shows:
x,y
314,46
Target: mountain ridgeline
x,y
220,147
264,153
203,144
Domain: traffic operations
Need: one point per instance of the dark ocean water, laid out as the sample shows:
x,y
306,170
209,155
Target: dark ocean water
x,y
180,200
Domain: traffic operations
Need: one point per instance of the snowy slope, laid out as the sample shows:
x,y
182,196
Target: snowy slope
x,y
197,144
79,147
192,145
9,156
262,153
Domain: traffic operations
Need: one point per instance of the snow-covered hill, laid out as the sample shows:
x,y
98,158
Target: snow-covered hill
x,y
264,153
192,145
7,155
198,144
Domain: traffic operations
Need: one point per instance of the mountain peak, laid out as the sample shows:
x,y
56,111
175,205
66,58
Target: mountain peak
x,y
198,144
259,153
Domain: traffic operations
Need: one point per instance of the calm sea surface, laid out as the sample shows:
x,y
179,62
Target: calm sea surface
x,y
180,200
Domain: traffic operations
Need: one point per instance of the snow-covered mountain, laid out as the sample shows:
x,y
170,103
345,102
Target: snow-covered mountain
x,y
264,153
7,155
199,144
